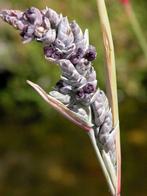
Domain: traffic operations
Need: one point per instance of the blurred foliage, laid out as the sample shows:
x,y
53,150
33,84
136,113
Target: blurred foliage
x,y
40,152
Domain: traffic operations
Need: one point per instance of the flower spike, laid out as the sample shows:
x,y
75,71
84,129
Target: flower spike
x,y
76,95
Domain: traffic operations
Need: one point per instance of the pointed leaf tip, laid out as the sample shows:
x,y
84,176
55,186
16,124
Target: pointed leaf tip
x,y
62,109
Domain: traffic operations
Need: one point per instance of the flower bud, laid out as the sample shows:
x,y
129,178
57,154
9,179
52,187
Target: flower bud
x,y
90,53
34,16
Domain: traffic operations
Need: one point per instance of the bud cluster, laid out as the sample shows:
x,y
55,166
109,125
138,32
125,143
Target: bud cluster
x,y
65,44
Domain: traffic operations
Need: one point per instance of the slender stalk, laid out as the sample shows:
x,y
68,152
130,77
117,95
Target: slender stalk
x,y
111,85
99,157
136,28
110,167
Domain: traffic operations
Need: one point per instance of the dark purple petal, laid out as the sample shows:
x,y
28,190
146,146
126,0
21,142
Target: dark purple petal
x,y
74,60
80,94
57,55
51,51
48,51
91,53
79,53
88,88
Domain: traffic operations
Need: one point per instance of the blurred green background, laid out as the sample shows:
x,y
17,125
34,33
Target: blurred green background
x,y
43,154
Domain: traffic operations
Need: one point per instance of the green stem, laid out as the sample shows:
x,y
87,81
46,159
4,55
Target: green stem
x,y
99,157
111,84
137,28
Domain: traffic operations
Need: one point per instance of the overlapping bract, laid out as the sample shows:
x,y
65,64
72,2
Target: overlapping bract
x,y
65,44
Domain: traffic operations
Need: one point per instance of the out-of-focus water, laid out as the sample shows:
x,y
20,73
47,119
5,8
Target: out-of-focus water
x,y
51,156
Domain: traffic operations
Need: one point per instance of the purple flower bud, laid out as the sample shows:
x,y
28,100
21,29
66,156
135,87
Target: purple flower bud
x,y
51,51
74,60
48,51
57,55
90,53
80,94
83,94
79,53
88,88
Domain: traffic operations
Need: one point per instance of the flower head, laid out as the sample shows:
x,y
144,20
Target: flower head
x,y
65,43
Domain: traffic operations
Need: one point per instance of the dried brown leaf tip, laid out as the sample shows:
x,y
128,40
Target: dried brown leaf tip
x,y
75,95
